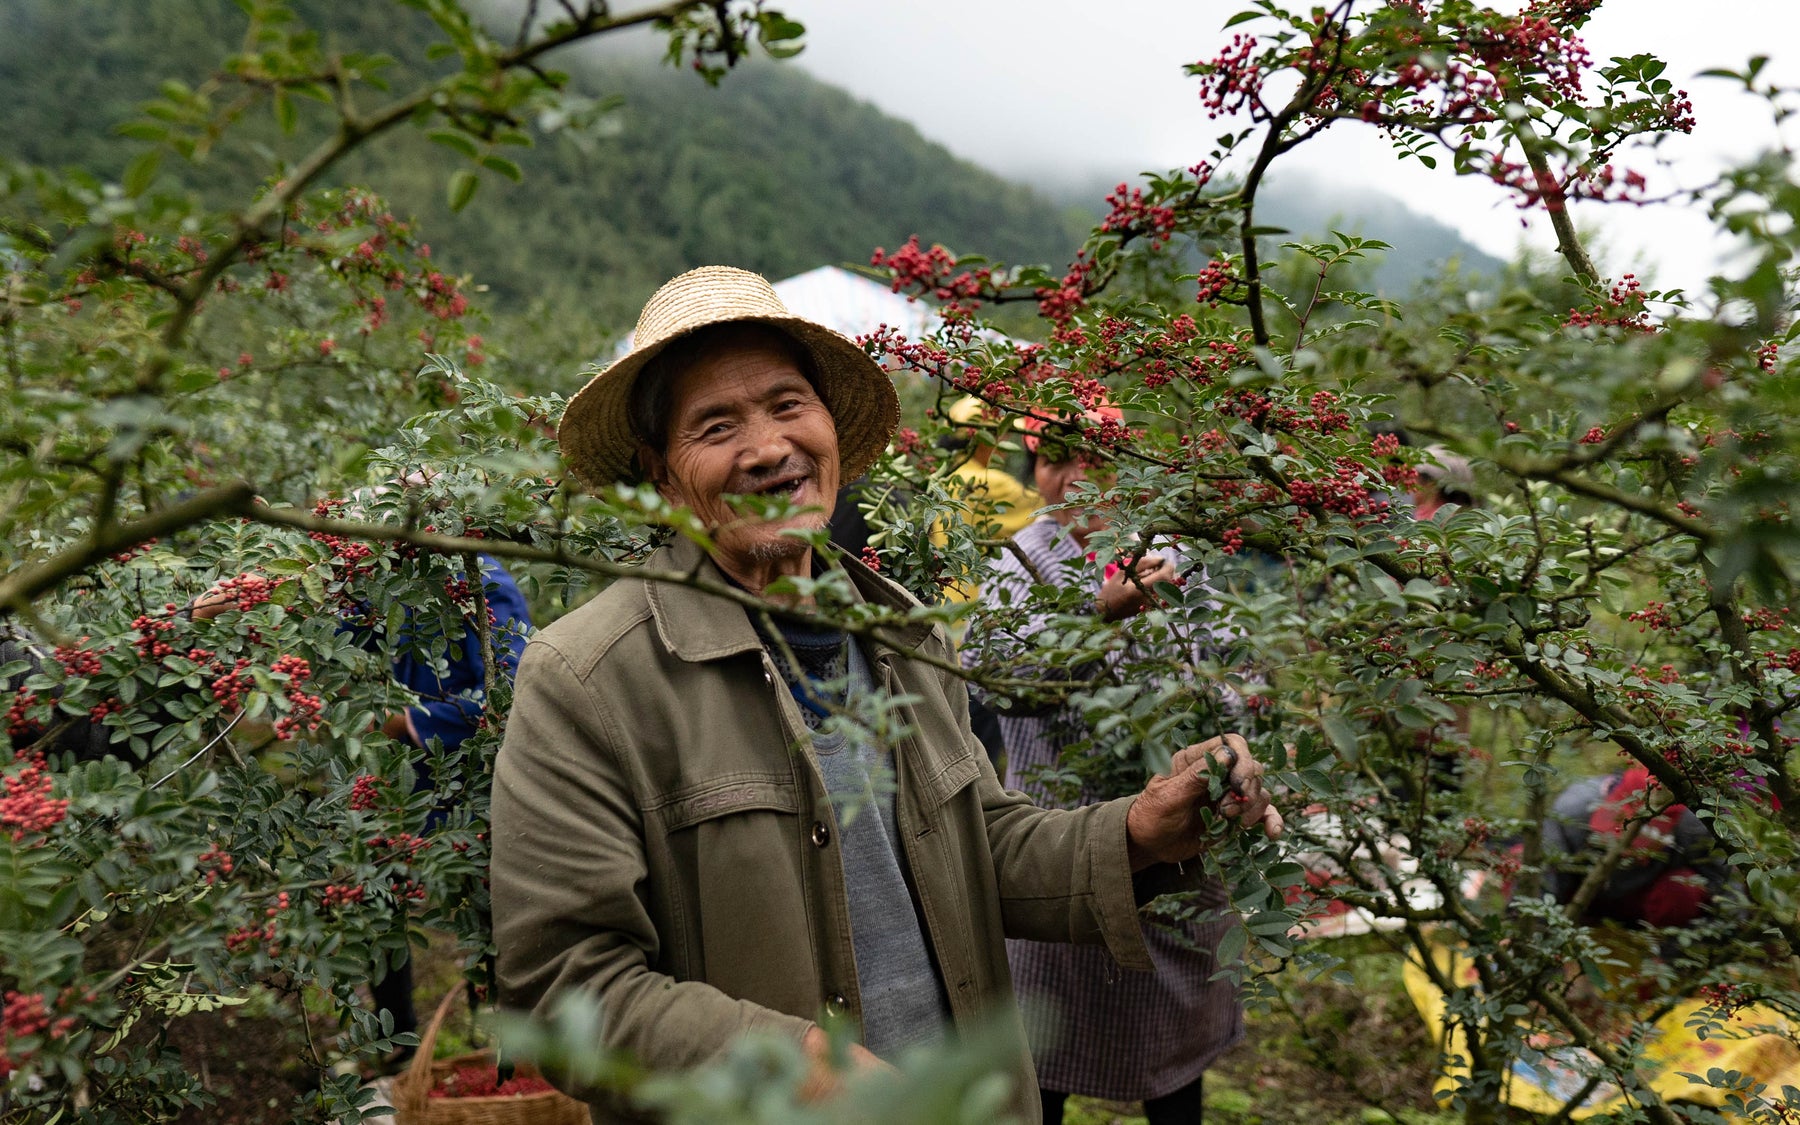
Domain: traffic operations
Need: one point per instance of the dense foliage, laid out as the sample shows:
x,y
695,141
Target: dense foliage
x,y
237,391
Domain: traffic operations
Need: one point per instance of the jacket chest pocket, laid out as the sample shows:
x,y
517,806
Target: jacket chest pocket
x,y
743,894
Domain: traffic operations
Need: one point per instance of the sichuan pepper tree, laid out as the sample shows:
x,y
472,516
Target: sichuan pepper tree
x,y
1617,596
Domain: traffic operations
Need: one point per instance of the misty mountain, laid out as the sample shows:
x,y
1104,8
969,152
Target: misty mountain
x,y
773,171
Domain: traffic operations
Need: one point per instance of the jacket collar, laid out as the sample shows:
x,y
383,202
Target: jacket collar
x,y
698,626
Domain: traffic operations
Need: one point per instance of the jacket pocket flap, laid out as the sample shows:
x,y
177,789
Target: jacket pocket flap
x,y
950,779
723,798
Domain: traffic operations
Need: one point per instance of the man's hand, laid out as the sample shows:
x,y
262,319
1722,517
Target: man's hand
x,y
822,1080
1164,824
1127,590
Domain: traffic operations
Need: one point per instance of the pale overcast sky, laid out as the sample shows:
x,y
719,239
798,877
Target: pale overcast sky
x,y
1029,86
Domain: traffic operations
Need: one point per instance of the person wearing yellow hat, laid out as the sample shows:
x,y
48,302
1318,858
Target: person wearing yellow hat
x,y
988,497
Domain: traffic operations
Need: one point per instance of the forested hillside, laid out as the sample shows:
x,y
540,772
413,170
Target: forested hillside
x,y
773,171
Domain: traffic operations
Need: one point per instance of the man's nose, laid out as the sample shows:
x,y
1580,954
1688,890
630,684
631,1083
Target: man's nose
x,y
767,442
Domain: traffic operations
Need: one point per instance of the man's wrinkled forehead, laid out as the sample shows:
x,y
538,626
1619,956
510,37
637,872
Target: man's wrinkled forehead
x,y
733,377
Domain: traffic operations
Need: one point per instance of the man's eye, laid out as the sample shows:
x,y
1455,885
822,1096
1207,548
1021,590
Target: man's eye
x,y
789,405
716,429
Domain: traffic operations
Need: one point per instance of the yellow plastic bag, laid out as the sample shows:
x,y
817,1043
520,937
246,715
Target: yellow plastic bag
x,y
1546,1086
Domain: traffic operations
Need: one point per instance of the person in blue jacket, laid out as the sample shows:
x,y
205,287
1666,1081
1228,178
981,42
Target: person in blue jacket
x,y
449,710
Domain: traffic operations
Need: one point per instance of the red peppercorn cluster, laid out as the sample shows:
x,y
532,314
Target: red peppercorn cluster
x,y
1345,492
400,848
1385,445
1058,305
1727,996
152,643
871,559
133,552
365,792
27,807
1655,615
1624,308
1215,278
304,707
1229,80
26,1016
484,1082
229,688
1594,436
1129,214
933,272
341,894
1232,541
248,590
440,297
1327,417
246,938
19,723
1789,660
1765,618
216,861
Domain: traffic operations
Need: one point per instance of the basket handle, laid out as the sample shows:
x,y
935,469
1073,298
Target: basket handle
x,y
413,1089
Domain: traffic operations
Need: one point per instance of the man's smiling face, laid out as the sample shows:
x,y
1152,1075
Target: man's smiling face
x,y
744,420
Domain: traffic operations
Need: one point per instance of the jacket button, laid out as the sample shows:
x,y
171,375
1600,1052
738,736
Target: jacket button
x,y
821,835
836,1005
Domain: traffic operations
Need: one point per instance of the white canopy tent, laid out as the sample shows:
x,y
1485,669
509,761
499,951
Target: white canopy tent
x,y
844,302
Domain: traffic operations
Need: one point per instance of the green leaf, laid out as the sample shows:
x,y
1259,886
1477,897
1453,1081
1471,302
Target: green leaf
x,y
461,142
503,166
462,188
1231,945
140,172
1340,732
286,115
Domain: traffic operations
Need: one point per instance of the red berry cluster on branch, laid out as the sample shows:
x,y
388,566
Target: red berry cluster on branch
x,y
19,723
23,1016
78,661
216,862
152,632
27,808
365,792
1229,80
304,707
341,894
1129,214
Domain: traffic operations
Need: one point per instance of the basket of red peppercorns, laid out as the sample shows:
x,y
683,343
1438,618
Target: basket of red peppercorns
x,y
469,1089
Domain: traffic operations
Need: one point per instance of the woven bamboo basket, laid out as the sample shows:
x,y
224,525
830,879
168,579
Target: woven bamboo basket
x,y
414,1105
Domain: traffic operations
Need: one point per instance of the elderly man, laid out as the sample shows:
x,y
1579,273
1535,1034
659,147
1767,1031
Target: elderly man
x,y
676,831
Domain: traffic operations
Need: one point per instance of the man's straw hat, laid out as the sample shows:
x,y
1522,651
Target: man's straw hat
x,y
595,433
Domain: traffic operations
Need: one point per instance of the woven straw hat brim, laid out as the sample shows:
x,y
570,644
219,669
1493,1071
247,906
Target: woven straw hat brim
x,y
595,432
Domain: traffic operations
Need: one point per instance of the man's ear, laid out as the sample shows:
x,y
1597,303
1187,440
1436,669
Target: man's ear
x,y
656,470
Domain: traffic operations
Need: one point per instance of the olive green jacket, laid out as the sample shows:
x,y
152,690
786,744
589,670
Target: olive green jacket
x,y
662,837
